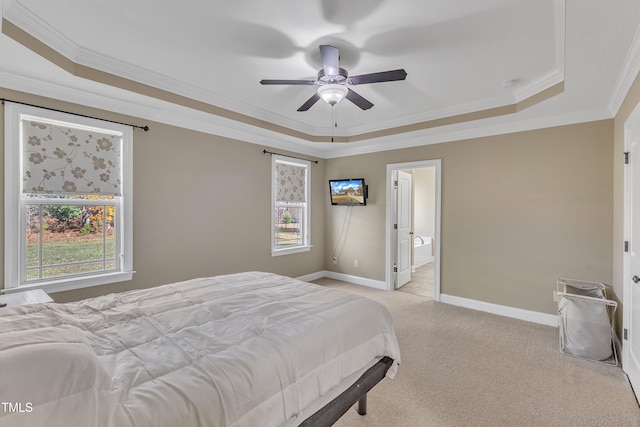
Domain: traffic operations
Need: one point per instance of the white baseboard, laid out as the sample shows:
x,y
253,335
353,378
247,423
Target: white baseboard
x,y
502,310
313,276
426,261
357,280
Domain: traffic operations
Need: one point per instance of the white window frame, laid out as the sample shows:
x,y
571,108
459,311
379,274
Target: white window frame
x,y
306,207
15,205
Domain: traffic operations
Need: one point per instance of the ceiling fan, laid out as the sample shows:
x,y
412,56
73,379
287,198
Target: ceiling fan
x,y
333,80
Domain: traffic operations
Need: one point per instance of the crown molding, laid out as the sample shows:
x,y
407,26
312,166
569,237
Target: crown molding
x,y
456,110
111,98
138,106
463,131
523,93
628,73
25,19
38,28
548,80
98,61
148,108
556,75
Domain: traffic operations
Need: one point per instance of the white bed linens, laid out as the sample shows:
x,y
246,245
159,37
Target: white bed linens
x,y
248,349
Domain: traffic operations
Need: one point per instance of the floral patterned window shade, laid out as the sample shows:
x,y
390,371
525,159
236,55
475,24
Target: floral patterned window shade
x,y
60,158
290,183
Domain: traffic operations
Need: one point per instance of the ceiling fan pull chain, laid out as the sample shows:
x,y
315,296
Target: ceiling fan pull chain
x,y
333,120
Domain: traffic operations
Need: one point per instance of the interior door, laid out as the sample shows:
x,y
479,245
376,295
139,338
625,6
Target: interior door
x,y
632,281
403,220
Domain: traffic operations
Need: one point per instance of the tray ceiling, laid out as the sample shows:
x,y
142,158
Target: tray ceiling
x,y
468,62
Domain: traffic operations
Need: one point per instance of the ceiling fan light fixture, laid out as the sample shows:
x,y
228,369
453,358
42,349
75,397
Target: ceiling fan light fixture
x,y
332,93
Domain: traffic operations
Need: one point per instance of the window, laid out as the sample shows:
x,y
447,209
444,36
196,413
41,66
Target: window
x,y
68,211
290,195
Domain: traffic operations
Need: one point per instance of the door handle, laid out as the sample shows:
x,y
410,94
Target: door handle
x,y
635,279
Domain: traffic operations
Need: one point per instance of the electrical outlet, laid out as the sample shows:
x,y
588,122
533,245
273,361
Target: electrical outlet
x,y
355,263
335,260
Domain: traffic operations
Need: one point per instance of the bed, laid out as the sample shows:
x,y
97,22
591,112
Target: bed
x,y
247,349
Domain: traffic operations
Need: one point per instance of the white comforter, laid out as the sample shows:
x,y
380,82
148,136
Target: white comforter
x,y
249,349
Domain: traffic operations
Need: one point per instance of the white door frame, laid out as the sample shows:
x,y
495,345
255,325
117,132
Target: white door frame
x,y
389,276
631,133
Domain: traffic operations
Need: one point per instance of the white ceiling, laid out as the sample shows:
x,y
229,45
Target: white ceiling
x,y
457,56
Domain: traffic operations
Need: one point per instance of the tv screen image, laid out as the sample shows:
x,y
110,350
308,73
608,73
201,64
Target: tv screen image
x,y
348,192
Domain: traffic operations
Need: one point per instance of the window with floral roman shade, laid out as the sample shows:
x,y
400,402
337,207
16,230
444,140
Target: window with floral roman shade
x,y
290,199
68,200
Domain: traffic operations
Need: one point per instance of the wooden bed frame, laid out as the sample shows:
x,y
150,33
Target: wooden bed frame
x,y
335,409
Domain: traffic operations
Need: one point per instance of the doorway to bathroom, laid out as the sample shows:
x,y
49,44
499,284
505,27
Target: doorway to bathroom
x,y
413,227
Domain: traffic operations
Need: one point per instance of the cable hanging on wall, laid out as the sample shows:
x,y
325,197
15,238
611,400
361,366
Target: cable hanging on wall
x,y
286,155
144,128
342,237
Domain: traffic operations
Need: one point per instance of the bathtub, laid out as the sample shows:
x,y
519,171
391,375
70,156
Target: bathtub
x,y
422,251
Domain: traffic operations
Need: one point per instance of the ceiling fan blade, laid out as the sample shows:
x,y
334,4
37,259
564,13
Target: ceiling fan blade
x,y
383,76
287,82
314,98
330,59
358,100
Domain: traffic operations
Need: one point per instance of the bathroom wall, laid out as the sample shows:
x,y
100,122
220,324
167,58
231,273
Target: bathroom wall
x,y
424,197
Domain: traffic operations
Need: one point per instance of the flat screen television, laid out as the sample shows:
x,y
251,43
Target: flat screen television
x,y
348,192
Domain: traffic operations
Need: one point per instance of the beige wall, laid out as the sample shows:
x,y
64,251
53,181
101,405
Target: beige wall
x,y
518,211
424,196
201,206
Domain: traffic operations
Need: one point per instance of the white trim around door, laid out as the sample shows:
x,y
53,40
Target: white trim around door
x,y
630,295
390,237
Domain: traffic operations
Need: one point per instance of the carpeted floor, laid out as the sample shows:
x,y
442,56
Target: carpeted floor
x,y
463,367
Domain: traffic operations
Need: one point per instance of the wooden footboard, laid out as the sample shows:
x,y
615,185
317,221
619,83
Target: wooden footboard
x,y
357,393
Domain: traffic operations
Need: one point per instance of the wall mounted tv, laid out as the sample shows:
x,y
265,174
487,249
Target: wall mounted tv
x,y
348,192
